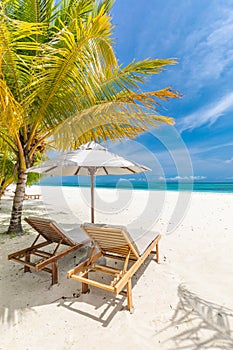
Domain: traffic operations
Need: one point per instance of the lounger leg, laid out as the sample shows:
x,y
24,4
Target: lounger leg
x,y
84,285
157,253
129,295
27,260
55,272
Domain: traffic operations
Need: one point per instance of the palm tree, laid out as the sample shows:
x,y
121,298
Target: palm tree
x,y
60,82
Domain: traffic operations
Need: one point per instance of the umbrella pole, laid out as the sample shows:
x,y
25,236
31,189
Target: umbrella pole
x,y
92,198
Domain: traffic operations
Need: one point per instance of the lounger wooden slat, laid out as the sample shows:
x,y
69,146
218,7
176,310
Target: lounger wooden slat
x,y
32,196
42,254
118,257
116,243
54,237
111,270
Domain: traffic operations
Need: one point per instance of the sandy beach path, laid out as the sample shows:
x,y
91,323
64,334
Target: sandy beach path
x,y
183,302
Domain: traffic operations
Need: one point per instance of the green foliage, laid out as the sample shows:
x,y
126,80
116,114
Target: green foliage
x,y
8,172
6,167
58,61
61,84
13,235
33,179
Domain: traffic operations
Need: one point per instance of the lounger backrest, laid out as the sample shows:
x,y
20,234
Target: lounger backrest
x,y
49,230
111,239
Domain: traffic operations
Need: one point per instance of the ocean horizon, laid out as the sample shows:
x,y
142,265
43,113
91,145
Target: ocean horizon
x,y
215,187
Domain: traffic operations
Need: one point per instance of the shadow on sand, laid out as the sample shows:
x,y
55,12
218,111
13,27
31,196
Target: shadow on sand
x,y
204,325
108,303
29,208
22,292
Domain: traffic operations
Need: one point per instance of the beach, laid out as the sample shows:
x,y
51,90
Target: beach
x,y
185,301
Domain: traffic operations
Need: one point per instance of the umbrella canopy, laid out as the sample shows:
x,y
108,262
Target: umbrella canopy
x,y
89,159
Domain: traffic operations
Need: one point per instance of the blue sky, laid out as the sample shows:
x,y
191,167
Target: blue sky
x,y
199,35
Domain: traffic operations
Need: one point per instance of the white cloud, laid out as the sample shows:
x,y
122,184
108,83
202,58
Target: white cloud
x,y
208,114
228,161
208,50
127,179
186,178
206,148
178,178
198,177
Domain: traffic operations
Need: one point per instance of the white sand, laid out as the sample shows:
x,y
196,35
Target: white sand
x,y
185,302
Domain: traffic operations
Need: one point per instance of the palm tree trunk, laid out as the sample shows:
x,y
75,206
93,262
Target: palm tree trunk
x,y
16,213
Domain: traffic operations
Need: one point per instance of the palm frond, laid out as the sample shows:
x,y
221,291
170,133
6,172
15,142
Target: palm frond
x,y
31,10
58,65
18,46
150,99
11,112
108,120
118,84
67,67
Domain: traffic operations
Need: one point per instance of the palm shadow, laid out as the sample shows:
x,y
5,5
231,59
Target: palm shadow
x,y
205,325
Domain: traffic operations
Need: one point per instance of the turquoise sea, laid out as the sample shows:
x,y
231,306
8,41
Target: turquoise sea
x,y
216,187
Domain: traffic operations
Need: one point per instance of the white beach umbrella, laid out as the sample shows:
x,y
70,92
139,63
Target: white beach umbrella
x,y
89,159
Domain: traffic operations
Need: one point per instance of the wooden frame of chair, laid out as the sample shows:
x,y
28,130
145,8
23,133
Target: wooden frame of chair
x,y
112,243
32,196
52,234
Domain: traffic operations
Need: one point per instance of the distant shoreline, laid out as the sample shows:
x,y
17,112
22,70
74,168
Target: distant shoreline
x,y
209,187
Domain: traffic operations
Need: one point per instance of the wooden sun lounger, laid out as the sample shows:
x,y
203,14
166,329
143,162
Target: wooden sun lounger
x,y
54,238
115,242
32,196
